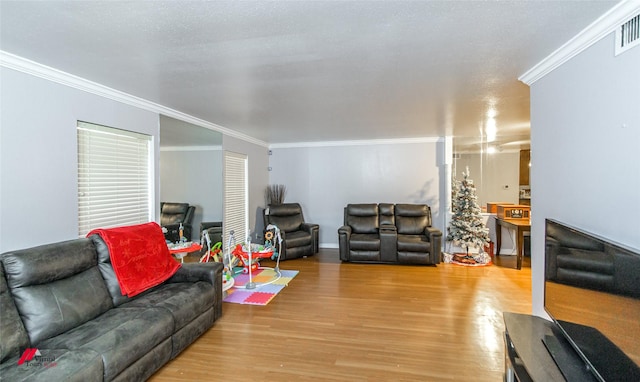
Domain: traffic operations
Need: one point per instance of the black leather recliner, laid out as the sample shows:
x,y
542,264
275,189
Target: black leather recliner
x,y
389,233
171,215
214,229
298,238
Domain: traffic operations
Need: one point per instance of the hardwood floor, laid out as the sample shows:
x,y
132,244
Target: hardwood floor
x,y
364,322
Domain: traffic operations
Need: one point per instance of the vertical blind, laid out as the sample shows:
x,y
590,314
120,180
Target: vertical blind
x,y
235,197
114,182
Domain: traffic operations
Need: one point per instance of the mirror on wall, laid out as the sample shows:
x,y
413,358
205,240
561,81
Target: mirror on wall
x,y
191,169
500,173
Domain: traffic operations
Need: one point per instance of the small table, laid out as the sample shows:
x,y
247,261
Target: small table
x,y
180,250
520,226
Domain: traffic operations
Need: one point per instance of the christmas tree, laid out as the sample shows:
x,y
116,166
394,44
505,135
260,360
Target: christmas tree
x,y
466,228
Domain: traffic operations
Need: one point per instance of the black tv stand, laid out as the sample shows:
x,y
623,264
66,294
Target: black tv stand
x,y
527,357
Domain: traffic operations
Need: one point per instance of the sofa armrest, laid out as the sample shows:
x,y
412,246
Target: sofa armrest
x,y
388,242
344,234
207,272
313,229
193,272
435,238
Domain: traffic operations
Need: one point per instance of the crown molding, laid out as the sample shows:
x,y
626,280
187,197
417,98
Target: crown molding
x,y
368,142
604,25
20,64
190,148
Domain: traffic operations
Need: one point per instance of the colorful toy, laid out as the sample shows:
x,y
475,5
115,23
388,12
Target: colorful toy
x,y
251,258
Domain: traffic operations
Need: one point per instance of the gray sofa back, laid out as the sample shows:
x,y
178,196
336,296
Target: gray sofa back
x,y
362,218
12,332
412,219
106,269
56,287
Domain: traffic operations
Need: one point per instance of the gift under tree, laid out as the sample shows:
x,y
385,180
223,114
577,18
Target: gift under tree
x,y
467,229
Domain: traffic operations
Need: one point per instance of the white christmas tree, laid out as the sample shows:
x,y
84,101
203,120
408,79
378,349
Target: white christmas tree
x,y
467,228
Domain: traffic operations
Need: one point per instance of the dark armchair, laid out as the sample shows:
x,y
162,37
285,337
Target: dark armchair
x,y
298,238
171,215
214,229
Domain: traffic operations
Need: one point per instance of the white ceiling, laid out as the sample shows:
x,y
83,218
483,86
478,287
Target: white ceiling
x,y
284,72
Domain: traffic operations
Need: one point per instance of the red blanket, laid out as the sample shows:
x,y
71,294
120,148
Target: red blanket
x,y
139,256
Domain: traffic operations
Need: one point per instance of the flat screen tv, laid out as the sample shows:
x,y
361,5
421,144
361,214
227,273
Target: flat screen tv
x,y
592,293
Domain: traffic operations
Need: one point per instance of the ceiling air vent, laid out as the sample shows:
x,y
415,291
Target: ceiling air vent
x,y
628,35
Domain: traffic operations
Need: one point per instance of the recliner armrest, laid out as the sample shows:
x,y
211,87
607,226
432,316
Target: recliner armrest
x,y
314,230
388,228
432,233
344,234
435,238
193,272
309,227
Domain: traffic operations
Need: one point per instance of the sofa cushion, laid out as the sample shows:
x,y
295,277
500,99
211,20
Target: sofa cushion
x,y
106,269
413,243
185,301
56,365
12,333
297,239
121,336
56,287
287,217
412,219
364,242
362,218
387,214
173,213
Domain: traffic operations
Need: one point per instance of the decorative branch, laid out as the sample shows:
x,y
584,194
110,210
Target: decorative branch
x,y
274,194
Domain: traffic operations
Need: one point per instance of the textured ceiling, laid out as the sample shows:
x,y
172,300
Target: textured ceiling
x,y
308,71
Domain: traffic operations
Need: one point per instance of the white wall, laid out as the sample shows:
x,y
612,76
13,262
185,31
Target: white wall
x,y
324,179
585,140
193,176
258,162
490,174
38,155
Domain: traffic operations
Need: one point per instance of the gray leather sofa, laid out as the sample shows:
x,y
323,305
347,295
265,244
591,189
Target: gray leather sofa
x,y
389,233
63,299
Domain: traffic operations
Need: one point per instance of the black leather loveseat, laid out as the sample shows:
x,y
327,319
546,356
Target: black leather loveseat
x,y
64,300
389,233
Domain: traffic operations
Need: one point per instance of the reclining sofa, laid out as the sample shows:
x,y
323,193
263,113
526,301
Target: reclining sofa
x,y
389,233
63,316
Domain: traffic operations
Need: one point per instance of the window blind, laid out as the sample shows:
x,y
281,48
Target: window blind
x,y
114,182
235,197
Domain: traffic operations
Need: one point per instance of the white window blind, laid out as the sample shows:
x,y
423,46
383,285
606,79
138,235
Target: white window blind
x,y
235,197
114,182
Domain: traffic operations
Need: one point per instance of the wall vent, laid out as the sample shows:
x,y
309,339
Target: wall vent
x,y
628,35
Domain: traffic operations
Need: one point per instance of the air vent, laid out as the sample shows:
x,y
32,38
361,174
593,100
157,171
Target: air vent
x,y
628,35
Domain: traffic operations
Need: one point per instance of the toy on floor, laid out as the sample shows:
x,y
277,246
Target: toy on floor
x,y
250,255
214,253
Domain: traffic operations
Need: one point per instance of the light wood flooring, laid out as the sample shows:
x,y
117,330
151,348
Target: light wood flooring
x,y
364,322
